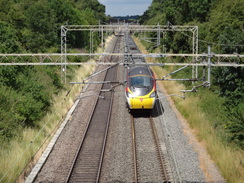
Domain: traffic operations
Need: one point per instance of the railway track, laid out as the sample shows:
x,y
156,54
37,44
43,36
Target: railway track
x,y
152,161
146,143
87,163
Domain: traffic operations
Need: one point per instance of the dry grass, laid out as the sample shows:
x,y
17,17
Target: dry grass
x,y
14,159
33,141
20,151
229,160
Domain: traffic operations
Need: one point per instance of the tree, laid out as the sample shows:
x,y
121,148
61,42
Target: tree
x,y
9,42
41,21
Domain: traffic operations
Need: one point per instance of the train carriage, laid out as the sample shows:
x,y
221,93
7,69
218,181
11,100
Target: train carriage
x,y
140,88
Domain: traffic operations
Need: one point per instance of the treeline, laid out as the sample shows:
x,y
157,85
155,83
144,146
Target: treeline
x,y
34,26
127,19
221,26
30,26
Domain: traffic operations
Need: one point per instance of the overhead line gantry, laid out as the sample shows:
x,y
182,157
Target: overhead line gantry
x,y
63,59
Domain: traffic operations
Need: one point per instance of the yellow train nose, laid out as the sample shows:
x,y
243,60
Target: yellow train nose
x,y
142,103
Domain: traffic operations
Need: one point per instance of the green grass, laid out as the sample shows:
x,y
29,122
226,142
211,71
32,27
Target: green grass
x,y
203,111
20,151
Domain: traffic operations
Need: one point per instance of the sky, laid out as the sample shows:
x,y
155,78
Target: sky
x,y
125,7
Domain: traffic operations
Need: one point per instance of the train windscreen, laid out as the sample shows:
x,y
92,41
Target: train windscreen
x,y
141,81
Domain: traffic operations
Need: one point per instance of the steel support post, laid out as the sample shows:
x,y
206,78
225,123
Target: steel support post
x,y
91,41
195,46
209,66
204,73
195,51
164,38
158,36
102,36
63,53
99,28
193,73
195,40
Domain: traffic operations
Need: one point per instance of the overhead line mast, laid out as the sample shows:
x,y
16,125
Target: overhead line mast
x,y
63,59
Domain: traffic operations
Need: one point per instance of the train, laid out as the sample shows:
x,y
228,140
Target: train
x,y
140,88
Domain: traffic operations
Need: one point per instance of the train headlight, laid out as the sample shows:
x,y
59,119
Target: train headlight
x,y
129,94
153,95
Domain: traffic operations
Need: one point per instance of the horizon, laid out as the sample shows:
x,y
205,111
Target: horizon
x,y
115,8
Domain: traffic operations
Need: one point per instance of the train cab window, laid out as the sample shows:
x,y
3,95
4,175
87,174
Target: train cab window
x,y
141,81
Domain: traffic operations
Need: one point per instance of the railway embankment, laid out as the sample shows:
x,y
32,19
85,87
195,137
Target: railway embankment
x,y
199,113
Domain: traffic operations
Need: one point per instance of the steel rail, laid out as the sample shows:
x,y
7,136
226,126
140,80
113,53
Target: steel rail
x,y
83,138
160,155
134,148
121,54
163,168
105,138
141,64
54,59
82,142
99,155
108,122
109,63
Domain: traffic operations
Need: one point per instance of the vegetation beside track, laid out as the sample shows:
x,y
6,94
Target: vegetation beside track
x,y
215,114
220,24
31,139
29,93
202,110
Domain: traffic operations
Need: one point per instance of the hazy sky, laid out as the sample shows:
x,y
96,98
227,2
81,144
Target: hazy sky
x,y
125,7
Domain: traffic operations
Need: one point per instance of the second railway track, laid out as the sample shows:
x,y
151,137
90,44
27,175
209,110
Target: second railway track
x,y
105,145
89,157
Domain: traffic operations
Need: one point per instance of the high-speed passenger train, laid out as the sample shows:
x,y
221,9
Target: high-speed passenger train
x,y
140,89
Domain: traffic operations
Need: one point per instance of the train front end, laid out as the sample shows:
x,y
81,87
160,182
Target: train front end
x,y
140,88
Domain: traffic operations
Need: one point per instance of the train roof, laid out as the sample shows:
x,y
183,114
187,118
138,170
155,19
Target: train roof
x,y
139,70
